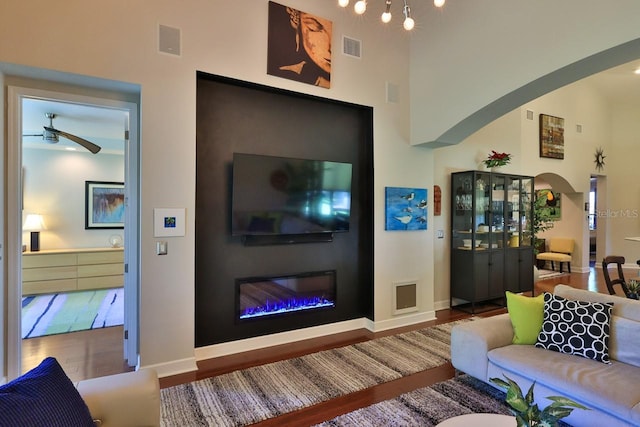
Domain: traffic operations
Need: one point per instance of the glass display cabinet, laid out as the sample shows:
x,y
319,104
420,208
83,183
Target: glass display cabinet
x,y
491,236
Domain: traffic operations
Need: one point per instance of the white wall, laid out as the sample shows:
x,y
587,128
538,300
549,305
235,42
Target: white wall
x,y
611,127
119,41
54,186
475,53
621,216
577,103
463,57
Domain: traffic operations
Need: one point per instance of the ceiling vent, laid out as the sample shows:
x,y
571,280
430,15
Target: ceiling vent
x,y
351,47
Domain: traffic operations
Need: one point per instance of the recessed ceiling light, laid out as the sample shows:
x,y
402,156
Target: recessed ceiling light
x,y
637,71
70,149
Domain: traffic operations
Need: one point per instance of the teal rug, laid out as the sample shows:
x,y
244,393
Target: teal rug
x,y
71,312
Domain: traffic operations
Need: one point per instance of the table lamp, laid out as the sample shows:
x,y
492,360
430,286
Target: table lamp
x,y
34,224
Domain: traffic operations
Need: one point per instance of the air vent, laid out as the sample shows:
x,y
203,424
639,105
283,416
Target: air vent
x,y
405,297
169,40
351,47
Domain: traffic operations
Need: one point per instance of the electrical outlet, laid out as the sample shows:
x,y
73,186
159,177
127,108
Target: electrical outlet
x,y
440,234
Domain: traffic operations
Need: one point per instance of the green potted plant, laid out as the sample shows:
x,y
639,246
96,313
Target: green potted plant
x,y
526,410
633,286
542,220
495,159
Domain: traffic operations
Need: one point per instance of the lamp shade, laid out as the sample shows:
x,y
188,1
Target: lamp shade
x,y
33,222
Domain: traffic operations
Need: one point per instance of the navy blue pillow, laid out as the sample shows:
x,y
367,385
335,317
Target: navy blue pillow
x,y
45,397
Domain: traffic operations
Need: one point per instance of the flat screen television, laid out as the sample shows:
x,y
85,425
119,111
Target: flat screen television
x,y
286,196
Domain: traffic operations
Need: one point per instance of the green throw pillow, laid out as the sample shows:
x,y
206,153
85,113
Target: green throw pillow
x,y
526,317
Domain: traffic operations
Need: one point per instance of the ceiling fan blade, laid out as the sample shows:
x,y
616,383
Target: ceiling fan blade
x,y
86,144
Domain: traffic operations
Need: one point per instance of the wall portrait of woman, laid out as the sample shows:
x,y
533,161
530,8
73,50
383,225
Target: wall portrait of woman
x,y
299,46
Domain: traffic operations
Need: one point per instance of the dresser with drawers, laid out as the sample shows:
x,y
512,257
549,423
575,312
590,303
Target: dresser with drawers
x,y
68,270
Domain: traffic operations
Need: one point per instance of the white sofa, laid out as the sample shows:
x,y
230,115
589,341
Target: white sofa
x,y
131,399
484,349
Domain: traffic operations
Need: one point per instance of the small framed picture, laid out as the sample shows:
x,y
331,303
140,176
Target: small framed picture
x,y
551,207
405,209
551,137
168,222
104,205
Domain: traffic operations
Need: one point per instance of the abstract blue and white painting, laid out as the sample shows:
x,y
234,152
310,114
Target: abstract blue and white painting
x,y
406,208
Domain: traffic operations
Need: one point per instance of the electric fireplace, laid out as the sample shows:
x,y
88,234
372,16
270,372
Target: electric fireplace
x,y
262,297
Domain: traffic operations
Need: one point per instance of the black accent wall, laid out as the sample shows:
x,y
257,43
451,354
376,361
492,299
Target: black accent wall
x,y
236,116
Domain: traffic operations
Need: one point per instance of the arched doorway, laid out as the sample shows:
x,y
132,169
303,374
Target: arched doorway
x,y
573,221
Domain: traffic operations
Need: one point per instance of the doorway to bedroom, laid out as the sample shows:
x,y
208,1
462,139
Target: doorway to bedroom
x,y
73,298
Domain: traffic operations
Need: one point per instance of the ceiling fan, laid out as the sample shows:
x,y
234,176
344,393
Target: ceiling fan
x,y
52,135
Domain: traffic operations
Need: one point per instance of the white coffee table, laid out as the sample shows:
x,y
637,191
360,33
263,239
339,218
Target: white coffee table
x,y
480,420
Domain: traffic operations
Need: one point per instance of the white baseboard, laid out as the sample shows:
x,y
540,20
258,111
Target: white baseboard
x,y
626,266
255,343
442,305
175,367
399,321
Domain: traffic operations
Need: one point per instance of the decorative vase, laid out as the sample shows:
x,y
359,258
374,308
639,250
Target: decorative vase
x,y
633,296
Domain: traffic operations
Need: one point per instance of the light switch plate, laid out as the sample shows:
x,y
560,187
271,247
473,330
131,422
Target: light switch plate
x,y
161,248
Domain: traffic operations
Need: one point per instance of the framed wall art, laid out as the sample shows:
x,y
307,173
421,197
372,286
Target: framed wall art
x,y
406,208
552,208
104,205
299,46
168,222
551,137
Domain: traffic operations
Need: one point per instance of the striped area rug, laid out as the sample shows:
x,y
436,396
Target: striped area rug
x,y
428,406
71,312
251,395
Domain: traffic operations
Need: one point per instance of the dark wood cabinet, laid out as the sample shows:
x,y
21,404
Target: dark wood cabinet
x,y
491,236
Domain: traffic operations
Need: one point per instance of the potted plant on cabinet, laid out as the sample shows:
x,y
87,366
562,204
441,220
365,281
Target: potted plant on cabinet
x,y
495,160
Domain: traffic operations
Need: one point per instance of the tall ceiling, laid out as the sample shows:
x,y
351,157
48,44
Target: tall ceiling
x,y
620,85
105,127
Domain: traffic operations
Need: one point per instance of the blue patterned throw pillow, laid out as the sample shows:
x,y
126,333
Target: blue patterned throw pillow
x,y
44,396
580,328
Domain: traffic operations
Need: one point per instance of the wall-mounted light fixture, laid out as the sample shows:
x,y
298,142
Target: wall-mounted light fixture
x,y
34,223
360,7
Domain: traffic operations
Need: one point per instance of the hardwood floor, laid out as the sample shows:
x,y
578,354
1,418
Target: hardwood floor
x,y
96,353
592,281
84,354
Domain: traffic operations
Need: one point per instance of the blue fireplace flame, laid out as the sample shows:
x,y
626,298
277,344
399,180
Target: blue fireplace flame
x,y
286,306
